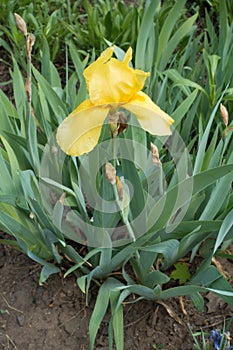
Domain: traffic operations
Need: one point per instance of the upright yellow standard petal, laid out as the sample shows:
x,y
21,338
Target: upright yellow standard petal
x,y
112,81
80,131
149,115
128,56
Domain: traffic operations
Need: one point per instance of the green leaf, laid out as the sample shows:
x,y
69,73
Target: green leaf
x,y
225,228
168,25
182,290
83,261
137,203
180,112
8,110
214,281
14,165
218,195
154,278
178,80
168,48
79,67
163,209
208,177
6,185
100,308
144,32
197,300
47,270
32,141
181,273
57,105
168,248
202,146
143,291
19,90
45,60
117,322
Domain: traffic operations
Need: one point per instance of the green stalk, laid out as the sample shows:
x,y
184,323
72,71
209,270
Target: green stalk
x,y
30,118
31,128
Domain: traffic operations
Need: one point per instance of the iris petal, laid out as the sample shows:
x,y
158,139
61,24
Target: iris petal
x,y
149,115
110,80
128,56
80,131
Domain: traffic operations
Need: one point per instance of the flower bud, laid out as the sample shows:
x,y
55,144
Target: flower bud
x,y
31,215
110,173
62,198
155,155
117,122
21,24
224,114
113,124
31,41
120,190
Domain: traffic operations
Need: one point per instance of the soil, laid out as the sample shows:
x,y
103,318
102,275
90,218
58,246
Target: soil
x,y
54,316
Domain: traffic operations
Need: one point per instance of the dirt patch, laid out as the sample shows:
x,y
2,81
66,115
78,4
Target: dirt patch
x,y
54,316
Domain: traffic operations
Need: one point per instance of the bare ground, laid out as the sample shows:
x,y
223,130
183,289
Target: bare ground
x,y
54,316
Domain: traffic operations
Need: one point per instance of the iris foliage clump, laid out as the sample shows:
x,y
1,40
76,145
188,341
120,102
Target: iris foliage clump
x,y
150,201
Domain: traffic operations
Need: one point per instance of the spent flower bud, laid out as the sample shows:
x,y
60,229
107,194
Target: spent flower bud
x,y
224,114
155,155
110,173
117,122
21,24
120,190
62,198
31,41
31,215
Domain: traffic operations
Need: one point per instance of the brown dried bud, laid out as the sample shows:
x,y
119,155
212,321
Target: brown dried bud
x,y
62,198
110,173
21,24
31,41
155,155
122,122
120,190
117,122
224,114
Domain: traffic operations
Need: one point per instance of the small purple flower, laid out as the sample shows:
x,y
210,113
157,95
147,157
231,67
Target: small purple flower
x,y
216,337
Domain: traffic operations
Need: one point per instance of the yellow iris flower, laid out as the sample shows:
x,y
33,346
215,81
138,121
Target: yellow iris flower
x,y
111,84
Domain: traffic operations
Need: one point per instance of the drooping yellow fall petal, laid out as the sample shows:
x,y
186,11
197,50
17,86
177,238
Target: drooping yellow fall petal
x,y
149,115
112,81
80,131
